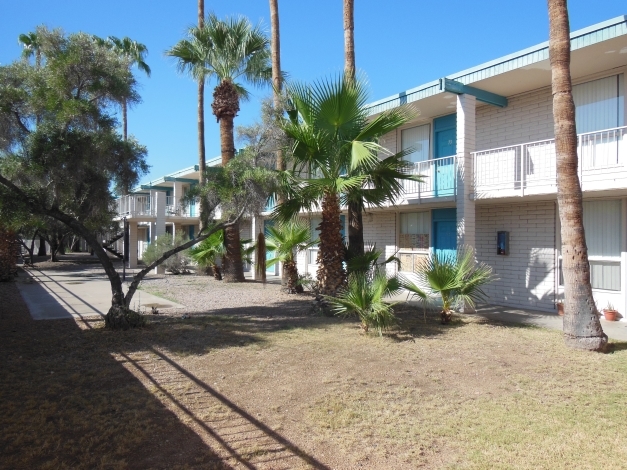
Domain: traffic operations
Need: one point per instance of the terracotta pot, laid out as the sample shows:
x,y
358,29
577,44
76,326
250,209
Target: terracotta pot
x,y
560,310
610,315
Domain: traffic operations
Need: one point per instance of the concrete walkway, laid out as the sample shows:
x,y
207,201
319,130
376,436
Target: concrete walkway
x,y
79,293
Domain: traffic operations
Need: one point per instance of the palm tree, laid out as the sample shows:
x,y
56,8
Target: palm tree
x,y
134,52
32,47
582,328
455,278
227,50
276,70
336,144
364,297
208,252
349,40
287,240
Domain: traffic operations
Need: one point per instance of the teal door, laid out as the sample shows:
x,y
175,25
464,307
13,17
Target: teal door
x,y
445,140
270,254
444,229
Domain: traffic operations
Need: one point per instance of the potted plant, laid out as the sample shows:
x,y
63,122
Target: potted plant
x,y
560,307
609,312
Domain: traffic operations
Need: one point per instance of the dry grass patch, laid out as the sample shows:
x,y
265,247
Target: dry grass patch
x,y
262,383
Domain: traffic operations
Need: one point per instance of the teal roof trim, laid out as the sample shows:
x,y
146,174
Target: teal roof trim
x,y
581,38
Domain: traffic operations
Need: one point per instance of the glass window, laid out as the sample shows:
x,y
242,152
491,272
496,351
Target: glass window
x,y
598,104
602,225
415,229
416,138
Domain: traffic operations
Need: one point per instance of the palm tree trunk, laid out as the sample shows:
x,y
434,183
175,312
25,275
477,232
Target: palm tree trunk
x,y
355,229
582,328
42,246
227,142
232,265
349,40
201,127
275,46
124,119
331,274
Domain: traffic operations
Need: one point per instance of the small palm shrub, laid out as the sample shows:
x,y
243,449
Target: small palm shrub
x,y
455,278
208,251
364,297
368,262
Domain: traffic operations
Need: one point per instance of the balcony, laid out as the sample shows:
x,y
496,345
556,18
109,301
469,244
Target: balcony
x,y
530,168
174,209
439,179
135,205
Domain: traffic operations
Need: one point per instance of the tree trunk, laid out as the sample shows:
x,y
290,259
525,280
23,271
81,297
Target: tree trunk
x,y
355,230
291,269
227,142
124,120
275,46
582,328
349,40
42,246
201,149
331,274
232,265
54,249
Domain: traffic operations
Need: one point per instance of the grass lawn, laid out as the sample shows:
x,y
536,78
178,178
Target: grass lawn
x,y
267,385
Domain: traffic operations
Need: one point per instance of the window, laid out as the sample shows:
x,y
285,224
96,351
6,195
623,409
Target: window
x,y
413,240
599,104
602,225
314,222
416,138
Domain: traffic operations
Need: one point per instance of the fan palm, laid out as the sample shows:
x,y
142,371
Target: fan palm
x,y
135,53
455,278
208,252
287,240
335,143
32,47
231,51
364,297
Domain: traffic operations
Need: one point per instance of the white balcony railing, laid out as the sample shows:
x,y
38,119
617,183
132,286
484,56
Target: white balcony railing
x,y
438,178
530,168
174,209
135,206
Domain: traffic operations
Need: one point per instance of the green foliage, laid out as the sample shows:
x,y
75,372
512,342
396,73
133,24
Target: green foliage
x,y
287,239
455,278
364,297
58,139
335,147
367,263
238,186
177,263
207,252
231,49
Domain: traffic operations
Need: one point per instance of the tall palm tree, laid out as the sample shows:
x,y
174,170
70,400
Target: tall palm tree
x,y
32,46
135,52
276,69
228,50
287,240
335,143
349,40
582,328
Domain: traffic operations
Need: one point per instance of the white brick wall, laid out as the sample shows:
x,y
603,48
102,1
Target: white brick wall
x,y
527,275
528,117
382,232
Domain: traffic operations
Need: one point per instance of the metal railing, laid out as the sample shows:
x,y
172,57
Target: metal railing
x,y
438,178
135,205
530,168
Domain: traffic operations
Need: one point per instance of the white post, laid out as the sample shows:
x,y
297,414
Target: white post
x,y
132,244
465,145
159,224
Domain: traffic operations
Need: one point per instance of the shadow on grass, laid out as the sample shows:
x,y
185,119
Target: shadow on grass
x,y
65,402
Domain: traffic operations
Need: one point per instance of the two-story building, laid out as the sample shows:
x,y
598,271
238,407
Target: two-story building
x,y
483,143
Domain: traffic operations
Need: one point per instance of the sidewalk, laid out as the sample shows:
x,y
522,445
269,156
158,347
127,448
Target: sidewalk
x,y
80,293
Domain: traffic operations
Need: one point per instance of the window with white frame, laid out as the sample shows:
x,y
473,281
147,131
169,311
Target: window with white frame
x,y
413,239
599,104
602,225
417,139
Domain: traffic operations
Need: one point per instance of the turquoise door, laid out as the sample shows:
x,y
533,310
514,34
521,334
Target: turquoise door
x,y
444,229
270,254
445,139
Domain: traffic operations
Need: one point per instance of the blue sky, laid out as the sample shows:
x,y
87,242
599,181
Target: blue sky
x,y
399,44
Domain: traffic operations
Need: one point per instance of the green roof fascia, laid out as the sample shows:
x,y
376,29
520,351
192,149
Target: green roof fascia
x,y
453,86
581,38
180,180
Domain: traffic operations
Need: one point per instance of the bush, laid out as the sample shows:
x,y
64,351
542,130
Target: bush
x,y
176,264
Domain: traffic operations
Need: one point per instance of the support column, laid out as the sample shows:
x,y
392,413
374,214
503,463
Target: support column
x,y
254,230
132,244
159,224
178,194
465,179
